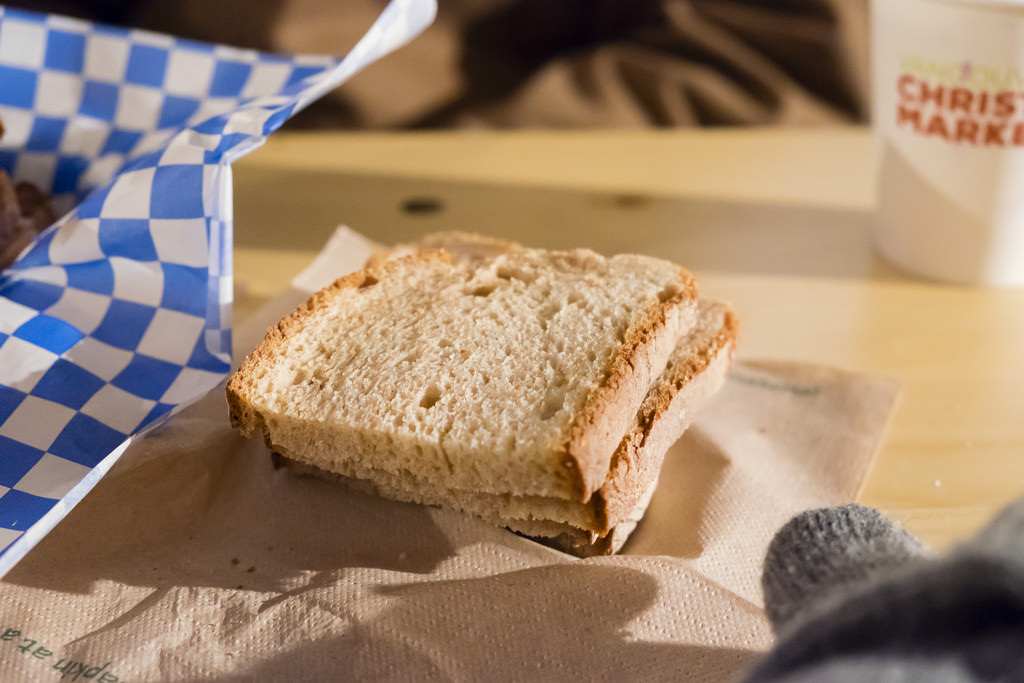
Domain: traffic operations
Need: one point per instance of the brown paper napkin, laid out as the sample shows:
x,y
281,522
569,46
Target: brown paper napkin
x,y
196,559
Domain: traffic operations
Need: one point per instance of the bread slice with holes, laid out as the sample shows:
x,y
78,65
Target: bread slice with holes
x,y
515,375
602,524
695,371
531,388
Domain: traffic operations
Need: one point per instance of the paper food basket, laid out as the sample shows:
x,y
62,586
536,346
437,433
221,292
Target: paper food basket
x,y
118,314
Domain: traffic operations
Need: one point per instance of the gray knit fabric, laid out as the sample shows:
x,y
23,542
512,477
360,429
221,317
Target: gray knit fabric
x,y
823,553
853,597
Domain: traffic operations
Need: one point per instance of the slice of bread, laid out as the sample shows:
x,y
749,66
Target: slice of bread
x,y
695,371
513,376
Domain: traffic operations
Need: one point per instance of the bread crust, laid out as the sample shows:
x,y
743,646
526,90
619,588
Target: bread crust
x,y
597,430
611,409
242,412
590,448
637,462
609,473
464,246
603,523
664,416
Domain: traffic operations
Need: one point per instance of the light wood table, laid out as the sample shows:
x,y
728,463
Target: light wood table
x,y
776,221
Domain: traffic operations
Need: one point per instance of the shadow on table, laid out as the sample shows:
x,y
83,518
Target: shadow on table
x,y
300,209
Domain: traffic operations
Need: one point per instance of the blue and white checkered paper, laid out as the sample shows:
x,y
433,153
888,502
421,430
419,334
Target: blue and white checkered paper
x,y
120,312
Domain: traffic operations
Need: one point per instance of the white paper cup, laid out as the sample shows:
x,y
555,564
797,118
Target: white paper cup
x,y
948,110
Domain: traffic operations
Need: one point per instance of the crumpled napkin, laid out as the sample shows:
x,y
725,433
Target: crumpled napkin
x,y
196,559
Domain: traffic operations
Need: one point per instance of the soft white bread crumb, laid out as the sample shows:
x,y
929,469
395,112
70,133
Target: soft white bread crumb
x,y
511,375
695,371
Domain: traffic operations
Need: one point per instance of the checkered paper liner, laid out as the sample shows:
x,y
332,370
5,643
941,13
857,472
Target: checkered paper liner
x,y
119,313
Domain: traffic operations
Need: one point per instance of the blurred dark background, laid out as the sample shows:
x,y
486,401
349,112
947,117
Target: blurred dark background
x,y
551,63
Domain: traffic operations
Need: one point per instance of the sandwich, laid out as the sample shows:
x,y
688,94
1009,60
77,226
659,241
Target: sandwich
x,y
538,390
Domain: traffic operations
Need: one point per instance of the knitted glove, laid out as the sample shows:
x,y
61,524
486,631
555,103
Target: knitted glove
x,y
853,597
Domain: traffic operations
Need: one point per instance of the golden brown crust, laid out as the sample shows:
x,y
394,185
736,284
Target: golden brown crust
x,y
610,410
610,473
464,246
637,461
241,386
380,256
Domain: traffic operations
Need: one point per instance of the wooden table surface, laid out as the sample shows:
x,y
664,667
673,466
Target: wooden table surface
x,y
776,221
